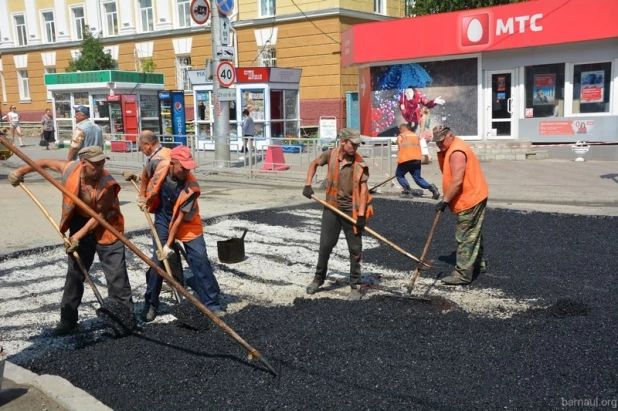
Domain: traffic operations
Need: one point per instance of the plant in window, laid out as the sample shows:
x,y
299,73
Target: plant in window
x,y
92,56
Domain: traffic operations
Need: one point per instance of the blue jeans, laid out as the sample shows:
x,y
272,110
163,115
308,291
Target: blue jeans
x,y
414,168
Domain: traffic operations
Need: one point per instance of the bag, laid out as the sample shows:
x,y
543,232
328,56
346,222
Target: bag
x,y
43,142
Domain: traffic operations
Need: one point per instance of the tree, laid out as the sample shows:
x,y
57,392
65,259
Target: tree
x,y
148,65
423,7
92,57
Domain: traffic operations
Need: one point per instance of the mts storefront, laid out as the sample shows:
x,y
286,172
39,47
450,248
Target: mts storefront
x,y
542,70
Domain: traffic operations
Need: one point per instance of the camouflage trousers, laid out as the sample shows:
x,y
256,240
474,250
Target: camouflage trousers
x,y
470,241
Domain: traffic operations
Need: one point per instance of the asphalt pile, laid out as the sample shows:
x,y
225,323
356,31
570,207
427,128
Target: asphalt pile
x,y
391,352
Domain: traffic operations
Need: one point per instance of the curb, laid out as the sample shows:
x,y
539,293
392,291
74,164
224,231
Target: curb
x,y
57,388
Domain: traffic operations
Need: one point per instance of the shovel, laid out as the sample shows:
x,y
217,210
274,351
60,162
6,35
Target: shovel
x,y
372,190
253,354
410,285
114,314
422,265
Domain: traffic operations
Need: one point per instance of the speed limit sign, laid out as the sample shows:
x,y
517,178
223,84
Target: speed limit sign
x,y
226,75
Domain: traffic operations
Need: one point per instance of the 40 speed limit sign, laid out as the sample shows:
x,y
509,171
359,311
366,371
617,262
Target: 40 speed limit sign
x,y
226,75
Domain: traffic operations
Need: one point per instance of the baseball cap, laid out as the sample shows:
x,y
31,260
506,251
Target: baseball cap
x,y
440,133
82,109
351,134
183,155
93,154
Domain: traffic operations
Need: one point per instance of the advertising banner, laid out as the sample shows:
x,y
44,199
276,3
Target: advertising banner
x,y
544,89
592,89
178,117
566,127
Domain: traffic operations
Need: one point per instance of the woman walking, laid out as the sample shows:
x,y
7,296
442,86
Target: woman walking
x,y
47,129
13,117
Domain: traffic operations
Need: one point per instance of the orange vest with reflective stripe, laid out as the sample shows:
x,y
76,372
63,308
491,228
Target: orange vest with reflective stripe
x,y
191,227
70,179
332,183
410,148
474,189
156,180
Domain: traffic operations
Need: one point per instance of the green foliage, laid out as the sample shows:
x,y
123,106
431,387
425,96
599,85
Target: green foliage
x,y
148,65
92,57
423,7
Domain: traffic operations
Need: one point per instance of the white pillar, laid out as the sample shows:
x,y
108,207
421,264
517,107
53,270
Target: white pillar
x,y
6,34
32,23
60,15
127,21
93,17
163,15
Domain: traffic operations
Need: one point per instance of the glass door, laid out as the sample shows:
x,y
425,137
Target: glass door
x,y
501,119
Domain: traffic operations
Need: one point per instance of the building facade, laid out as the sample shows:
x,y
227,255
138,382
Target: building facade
x,y
42,36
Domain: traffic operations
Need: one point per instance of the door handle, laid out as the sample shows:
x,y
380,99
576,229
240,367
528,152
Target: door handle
x,y
509,105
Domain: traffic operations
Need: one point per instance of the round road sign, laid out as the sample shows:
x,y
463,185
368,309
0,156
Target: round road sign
x,y
226,75
225,6
200,11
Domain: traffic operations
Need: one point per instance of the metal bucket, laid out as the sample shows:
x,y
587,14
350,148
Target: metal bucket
x,y
233,250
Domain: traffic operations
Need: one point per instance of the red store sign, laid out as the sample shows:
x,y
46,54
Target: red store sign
x,y
252,74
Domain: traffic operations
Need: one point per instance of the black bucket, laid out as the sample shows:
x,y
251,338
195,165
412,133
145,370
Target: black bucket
x,y
233,250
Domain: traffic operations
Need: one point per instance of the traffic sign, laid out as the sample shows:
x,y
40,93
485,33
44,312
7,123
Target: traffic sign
x,y
225,6
200,11
225,52
224,23
226,94
226,75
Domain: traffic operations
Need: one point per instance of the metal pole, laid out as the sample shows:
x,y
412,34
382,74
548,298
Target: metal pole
x,y
221,122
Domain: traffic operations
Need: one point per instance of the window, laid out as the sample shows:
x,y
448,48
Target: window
x,y
146,15
78,23
267,57
110,19
183,65
49,27
184,13
21,39
379,6
49,70
267,8
544,86
591,84
24,85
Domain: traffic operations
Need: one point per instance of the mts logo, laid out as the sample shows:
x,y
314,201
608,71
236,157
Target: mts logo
x,y
475,29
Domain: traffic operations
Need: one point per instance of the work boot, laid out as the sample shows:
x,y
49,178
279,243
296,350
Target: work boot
x,y
355,294
64,328
455,278
313,287
148,314
434,190
406,191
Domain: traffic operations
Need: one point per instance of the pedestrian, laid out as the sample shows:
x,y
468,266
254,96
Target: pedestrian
x,y
465,193
171,193
346,189
248,130
47,129
425,134
409,161
86,133
14,118
96,187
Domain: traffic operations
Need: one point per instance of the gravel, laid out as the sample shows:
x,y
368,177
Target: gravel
x,y
537,331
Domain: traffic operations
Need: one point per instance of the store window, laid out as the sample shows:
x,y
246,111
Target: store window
x,y
544,86
49,26
146,15
64,122
110,18
253,100
21,38
24,84
184,13
183,65
149,112
591,83
78,22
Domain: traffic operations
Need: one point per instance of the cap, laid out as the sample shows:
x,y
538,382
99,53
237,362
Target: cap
x,y
82,109
351,134
93,154
440,133
183,155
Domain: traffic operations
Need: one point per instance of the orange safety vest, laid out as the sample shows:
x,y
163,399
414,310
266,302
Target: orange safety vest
x,y
191,227
474,189
410,148
70,179
156,180
332,183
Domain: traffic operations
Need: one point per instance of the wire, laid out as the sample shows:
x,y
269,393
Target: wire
x,y
314,25
272,31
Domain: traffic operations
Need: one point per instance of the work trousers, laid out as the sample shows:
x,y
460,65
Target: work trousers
x,y
414,168
202,281
470,240
332,224
112,257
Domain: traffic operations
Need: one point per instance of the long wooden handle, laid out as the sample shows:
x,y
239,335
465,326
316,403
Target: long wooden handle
x,y
425,249
166,263
369,230
253,353
76,256
381,184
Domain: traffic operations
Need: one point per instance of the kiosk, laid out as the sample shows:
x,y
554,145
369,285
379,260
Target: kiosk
x,y
271,94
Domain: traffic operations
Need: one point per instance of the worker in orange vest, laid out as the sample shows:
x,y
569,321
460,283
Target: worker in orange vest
x,y
409,161
465,193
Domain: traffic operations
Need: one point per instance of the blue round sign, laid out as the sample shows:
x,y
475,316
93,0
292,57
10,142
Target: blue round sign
x,y
225,6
